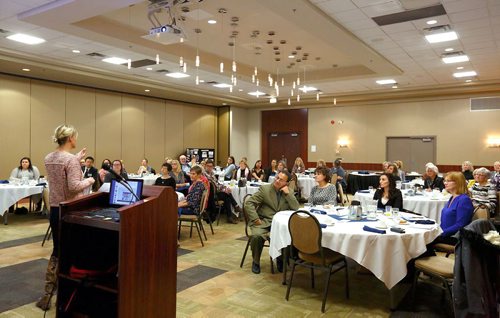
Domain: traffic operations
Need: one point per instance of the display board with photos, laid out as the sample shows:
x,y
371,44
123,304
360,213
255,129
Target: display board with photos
x,y
200,153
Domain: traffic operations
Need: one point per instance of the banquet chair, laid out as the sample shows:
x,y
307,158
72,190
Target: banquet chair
x,y
305,232
217,204
438,267
196,220
340,192
249,236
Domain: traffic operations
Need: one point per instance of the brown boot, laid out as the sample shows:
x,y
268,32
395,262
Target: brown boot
x,y
50,284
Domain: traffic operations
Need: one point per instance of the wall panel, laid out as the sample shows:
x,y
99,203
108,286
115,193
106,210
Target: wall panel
x,y
199,127
132,132
174,130
48,110
108,126
80,112
154,132
15,119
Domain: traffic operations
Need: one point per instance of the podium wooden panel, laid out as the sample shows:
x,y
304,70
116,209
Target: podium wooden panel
x,y
143,245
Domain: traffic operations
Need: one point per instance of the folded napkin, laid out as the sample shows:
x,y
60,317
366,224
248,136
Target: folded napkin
x,y
317,211
323,225
4,181
363,172
336,217
364,191
255,184
425,222
372,229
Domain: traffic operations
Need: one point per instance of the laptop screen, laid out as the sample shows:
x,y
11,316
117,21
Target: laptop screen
x,y
121,195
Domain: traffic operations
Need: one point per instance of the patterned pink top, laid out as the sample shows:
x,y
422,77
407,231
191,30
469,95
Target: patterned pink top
x,y
65,177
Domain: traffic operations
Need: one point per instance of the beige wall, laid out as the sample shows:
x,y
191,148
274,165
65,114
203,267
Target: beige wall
x,y
461,134
110,125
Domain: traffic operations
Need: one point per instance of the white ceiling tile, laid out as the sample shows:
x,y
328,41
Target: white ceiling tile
x,y
476,14
383,9
464,5
366,3
479,45
336,5
360,24
350,16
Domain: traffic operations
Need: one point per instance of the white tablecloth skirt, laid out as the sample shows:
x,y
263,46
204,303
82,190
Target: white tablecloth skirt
x,y
10,194
305,184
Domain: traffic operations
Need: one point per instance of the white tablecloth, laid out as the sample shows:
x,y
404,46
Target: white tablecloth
x,y
148,180
385,255
305,184
429,204
10,194
239,193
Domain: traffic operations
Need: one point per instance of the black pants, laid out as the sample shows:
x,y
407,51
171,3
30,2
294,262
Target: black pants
x,y
54,225
228,202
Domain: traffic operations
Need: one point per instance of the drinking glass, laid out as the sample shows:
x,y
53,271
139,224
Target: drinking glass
x,y
388,210
395,214
370,188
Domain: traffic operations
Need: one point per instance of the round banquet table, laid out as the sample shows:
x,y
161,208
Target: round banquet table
x,y
358,181
239,193
385,255
428,204
148,179
10,194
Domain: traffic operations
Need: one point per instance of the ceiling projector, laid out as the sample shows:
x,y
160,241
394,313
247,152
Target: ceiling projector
x,y
165,34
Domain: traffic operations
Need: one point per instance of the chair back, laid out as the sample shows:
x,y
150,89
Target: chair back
x,y
480,213
293,184
333,179
203,202
305,232
340,193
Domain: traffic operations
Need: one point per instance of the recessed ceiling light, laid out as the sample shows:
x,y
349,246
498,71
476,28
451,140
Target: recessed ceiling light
x,y
386,81
273,100
460,68
291,56
431,22
465,74
394,86
147,90
448,49
468,81
455,59
222,85
177,75
256,93
240,90
307,89
115,60
76,51
212,21
26,69
441,37
149,68
26,39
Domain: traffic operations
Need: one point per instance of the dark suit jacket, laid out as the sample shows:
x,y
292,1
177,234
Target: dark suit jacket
x,y
92,172
437,183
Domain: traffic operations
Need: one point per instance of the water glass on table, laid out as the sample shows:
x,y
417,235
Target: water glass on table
x,y
395,214
388,210
370,188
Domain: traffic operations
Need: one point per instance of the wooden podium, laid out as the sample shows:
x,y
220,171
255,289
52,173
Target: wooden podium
x,y
139,254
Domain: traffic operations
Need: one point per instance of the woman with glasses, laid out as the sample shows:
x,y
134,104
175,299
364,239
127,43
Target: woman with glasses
x,y
483,193
117,167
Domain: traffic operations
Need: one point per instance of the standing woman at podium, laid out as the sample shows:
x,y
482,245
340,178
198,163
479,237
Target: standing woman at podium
x,y
66,182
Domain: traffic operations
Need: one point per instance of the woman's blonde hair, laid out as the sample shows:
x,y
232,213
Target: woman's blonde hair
x,y
178,169
460,182
63,133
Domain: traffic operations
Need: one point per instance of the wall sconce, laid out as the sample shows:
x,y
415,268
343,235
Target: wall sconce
x,y
493,142
343,143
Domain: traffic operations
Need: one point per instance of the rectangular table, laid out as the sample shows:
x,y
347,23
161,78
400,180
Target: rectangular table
x,y
10,194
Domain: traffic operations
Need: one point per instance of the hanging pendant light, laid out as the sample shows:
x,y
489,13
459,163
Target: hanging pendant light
x,y
298,98
184,67
234,66
289,103
282,81
293,85
317,96
181,61
129,64
334,101
157,58
291,92
221,67
253,78
197,62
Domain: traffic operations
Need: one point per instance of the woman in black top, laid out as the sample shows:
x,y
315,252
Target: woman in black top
x,y
117,167
432,180
257,171
387,194
165,179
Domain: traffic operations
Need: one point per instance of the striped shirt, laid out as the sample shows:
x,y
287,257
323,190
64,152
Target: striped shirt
x,y
484,195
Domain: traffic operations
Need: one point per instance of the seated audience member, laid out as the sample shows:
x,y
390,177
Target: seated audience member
x,y
257,171
27,171
387,194
281,167
261,207
298,166
393,169
385,164
166,178
191,204
467,170
432,180
324,192
117,167
474,179
495,179
340,172
483,193
223,193
322,164
402,174
178,175
228,170
242,171
145,168
458,211
90,171
271,171
184,164
105,166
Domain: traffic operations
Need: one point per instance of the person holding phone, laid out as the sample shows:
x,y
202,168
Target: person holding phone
x,y
261,207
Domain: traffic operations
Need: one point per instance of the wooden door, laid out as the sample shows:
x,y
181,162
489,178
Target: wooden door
x,y
284,146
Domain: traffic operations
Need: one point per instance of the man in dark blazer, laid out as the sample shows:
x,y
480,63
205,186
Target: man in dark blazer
x,y
262,206
89,170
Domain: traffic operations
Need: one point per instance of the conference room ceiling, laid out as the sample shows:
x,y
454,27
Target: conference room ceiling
x,y
338,48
